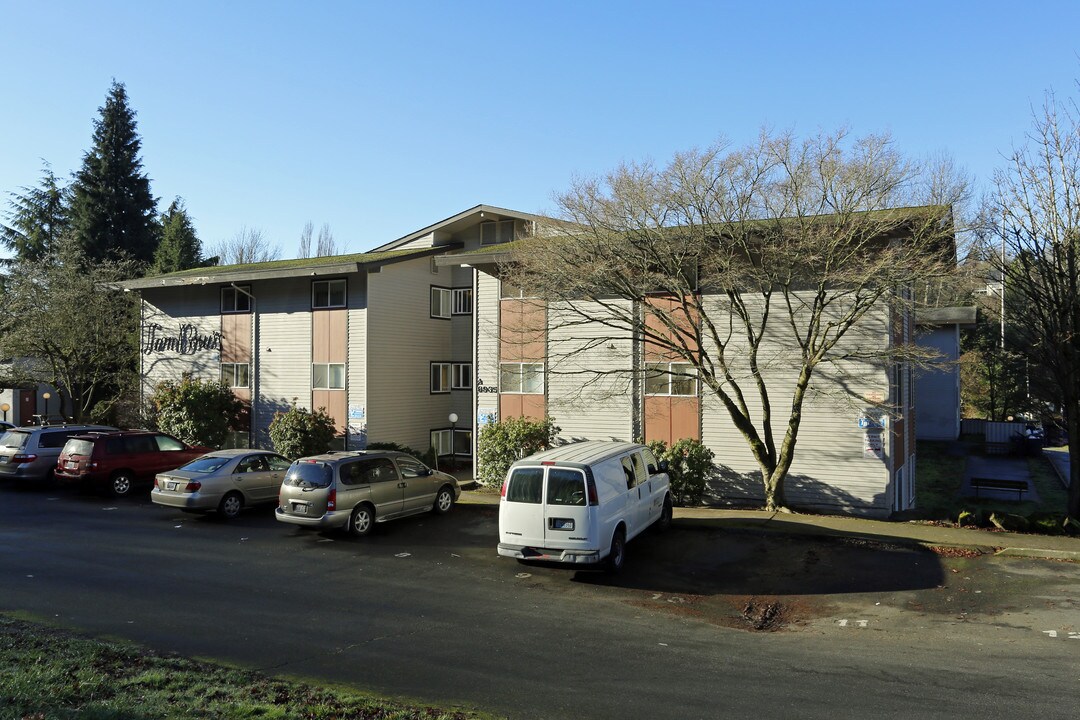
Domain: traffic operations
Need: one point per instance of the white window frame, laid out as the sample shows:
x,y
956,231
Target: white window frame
x,y
329,385
461,376
503,232
672,372
445,302
462,301
441,381
330,293
238,292
229,374
444,441
518,370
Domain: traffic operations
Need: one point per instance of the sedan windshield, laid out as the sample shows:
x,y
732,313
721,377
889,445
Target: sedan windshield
x,y
309,475
206,464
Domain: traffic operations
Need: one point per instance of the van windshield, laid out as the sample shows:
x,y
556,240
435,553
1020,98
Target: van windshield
x,y
565,487
525,485
309,475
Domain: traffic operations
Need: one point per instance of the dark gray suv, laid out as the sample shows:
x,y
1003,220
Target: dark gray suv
x,y
29,454
355,490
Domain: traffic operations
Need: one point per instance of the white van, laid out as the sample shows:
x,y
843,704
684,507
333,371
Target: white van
x,y
581,503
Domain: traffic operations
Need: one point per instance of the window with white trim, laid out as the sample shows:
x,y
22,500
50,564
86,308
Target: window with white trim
x,y
236,375
440,377
494,232
328,376
677,378
452,442
461,376
521,378
462,304
235,299
441,302
328,294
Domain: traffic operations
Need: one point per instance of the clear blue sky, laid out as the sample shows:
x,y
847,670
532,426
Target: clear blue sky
x,y
382,117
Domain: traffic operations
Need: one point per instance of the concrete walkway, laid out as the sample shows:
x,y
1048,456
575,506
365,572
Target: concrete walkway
x,y
917,533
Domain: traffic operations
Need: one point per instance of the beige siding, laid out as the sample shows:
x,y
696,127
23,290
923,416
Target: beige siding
x,y
486,307
357,367
830,469
589,378
403,340
284,349
171,309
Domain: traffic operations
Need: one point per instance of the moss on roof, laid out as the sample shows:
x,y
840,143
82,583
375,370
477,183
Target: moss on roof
x,y
359,258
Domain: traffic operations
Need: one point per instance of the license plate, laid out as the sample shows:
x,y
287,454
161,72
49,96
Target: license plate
x,y
299,509
562,524
72,464
170,486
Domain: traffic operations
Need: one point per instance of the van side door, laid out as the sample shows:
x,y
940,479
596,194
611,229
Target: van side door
x,y
631,497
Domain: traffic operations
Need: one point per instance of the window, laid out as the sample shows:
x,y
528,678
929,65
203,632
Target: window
x,y
509,292
440,302
236,299
167,443
670,379
565,487
496,232
461,376
451,442
410,468
328,376
328,294
441,441
525,486
440,377
462,304
236,375
521,378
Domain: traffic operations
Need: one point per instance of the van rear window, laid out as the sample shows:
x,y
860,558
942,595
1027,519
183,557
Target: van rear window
x,y
76,446
525,486
565,487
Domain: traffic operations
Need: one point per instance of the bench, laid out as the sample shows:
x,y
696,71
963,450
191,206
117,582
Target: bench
x,y
1018,486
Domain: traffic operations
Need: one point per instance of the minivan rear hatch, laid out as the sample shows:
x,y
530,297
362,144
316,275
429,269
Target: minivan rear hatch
x,y
307,489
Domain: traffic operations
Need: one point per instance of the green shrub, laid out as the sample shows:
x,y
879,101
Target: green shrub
x,y
299,432
690,464
197,412
504,441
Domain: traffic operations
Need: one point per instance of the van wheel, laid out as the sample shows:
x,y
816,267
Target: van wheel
x,y
444,501
121,484
230,505
361,521
617,557
664,521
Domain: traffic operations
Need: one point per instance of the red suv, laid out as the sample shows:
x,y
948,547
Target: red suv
x,y
120,460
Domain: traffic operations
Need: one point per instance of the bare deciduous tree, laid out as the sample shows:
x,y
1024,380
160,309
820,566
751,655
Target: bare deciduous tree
x,y
755,268
326,245
305,240
249,245
1038,201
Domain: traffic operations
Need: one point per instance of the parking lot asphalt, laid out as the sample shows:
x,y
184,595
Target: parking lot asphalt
x,y
1048,547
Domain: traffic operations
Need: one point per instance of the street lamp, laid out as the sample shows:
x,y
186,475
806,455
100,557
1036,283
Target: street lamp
x,y
45,418
5,407
453,433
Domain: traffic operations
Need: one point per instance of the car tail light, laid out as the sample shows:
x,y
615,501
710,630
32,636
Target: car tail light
x,y
193,486
23,458
593,499
502,492
331,499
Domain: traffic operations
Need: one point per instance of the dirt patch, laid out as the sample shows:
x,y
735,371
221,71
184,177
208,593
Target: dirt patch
x,y
954,552
765,615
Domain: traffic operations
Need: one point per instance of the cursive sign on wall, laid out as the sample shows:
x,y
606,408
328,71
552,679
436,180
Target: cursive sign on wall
x,y
187,342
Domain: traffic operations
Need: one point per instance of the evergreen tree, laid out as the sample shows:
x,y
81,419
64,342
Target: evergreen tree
x,y
37,219
180,248
113,211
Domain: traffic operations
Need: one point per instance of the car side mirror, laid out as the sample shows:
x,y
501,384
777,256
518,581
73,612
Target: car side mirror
x,y
428,472
664,466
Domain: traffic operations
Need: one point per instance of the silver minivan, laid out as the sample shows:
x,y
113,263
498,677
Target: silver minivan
x,y
30,453
354,490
